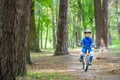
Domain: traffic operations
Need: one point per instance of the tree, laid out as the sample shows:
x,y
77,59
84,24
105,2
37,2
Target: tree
x,y
33,38
79,19
8,25
22,37
97,13
28,58
38,34
13,37
46,37
14,20
53,28
117,18
105,23
62,32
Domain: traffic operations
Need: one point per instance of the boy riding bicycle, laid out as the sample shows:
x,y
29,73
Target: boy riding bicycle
x,y
87,44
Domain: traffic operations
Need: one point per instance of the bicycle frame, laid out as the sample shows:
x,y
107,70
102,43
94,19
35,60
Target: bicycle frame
x,y
86,57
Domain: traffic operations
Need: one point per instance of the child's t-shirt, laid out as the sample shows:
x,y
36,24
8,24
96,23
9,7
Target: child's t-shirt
x,y
87,42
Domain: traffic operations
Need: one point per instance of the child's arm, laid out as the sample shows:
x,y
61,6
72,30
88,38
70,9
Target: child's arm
x,y
82,42
92,44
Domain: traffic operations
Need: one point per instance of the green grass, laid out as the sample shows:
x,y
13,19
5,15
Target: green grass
x,y
42,54
118,53
48,76
116,47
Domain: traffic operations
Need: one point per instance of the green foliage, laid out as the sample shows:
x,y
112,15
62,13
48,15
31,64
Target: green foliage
x,y
115,47
85,10
46,3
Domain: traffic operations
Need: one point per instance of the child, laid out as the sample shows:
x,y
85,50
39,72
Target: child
x,y
87,44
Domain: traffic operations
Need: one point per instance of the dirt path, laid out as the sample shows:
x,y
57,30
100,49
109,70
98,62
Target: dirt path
x,y
105,67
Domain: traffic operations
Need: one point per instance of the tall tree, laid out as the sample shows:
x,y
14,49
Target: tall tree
x,y
62,32
14,20
38,34
105,23
57,15
33,38
117,18
22,38
53,28
97,13
46,39
41,36
28,57
79,19
8,25
32,32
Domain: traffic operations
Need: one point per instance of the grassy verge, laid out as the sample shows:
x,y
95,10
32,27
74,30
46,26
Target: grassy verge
x,y
115,47
41,54
118,53
34,55
48,76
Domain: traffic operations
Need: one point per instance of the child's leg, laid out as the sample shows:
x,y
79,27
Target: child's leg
x,y
91,57
82,53
81,56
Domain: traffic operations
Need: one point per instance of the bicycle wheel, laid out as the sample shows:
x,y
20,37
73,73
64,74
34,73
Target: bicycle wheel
x,y
83,63
86,63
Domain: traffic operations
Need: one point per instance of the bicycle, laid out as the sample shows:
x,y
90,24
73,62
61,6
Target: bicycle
x,y
86,59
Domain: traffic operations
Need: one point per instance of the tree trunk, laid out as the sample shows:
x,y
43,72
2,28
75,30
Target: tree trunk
x,y
8,25
57,16
110,38
105,23
79,19
41,38
37,39
46,37
97,12
73,32
28,58
23,37
119,30
62,33
53,29
33,32
117,18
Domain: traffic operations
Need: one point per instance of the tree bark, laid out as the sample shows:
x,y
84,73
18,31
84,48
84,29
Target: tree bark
x,y
32,32
62,32
8,25
33,38
57,16
23,37
73,38
28,57
117,18
79,19
41,38
53,29
97,13
37,39
14,20
46,37
105,23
